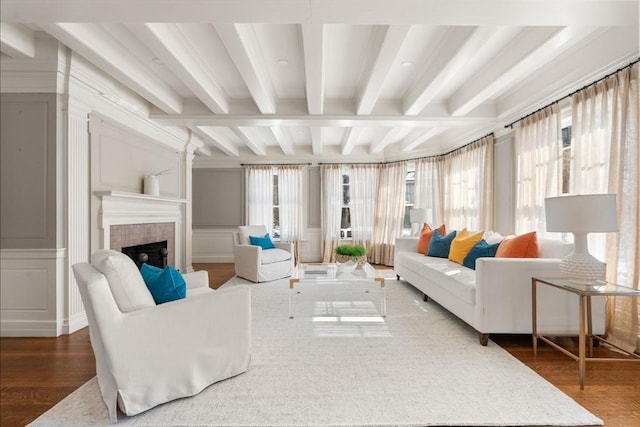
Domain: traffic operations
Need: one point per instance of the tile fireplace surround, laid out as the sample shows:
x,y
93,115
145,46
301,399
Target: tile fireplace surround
x,y
127,219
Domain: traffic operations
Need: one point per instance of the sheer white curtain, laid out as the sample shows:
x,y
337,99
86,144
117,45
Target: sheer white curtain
x,y
605,159
428,189
538,148
331,209
363,183
290,203
389,212
468,186
259,206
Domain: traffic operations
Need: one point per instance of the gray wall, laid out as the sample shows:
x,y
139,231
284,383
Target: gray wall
x,y
218,197
28,171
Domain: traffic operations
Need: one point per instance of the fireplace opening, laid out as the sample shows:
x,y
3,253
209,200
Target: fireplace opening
x,y
154,253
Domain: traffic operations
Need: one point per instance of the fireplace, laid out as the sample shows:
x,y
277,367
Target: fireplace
x,y
154,253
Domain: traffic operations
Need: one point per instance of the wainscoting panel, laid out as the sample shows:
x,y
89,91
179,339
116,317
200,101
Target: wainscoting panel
x,y
31,283
213,245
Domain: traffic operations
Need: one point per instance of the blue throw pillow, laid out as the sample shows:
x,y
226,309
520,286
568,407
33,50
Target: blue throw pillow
x,y
164,284
264,242
439,245
480,250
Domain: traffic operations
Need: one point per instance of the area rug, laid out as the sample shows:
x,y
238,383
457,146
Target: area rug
x,y
338,363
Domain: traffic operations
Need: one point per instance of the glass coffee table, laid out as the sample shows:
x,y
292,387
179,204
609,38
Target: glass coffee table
x,y
334,273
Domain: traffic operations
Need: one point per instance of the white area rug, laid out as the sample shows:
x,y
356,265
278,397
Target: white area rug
x,y
337,363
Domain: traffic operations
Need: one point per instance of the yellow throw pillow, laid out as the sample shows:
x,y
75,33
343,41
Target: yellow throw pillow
x,y
462,244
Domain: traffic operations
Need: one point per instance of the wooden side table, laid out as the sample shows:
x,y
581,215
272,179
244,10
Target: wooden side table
x,y
586,337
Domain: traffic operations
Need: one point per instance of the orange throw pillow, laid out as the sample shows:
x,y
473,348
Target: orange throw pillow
x,y
425,237
523,246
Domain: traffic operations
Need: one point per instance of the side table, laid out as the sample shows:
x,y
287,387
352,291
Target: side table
x,y
585,339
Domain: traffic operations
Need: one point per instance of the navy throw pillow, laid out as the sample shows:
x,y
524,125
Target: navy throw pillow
x,y
480,250
439,245
164,284
264,242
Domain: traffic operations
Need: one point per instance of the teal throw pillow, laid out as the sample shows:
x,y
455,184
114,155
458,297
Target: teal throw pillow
x,y
164,284
482,249
439,245
264,242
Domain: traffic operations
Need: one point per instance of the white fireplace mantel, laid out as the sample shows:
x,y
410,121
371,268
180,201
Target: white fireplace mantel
x,y
120,208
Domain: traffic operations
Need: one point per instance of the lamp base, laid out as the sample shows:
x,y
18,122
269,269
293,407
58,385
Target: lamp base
x,y
582,268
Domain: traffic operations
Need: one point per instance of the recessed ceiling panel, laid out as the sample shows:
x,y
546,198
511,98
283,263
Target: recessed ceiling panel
x,y
346,55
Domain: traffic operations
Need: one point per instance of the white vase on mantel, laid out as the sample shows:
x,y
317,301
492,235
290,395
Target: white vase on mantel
x,y
151,185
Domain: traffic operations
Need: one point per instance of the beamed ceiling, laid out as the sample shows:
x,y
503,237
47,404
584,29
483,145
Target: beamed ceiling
x,y
284,79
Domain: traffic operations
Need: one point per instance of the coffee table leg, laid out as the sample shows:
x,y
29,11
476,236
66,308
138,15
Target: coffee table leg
x,y
383,299
291,292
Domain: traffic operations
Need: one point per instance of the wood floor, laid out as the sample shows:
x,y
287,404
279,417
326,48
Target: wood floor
x,y
36,373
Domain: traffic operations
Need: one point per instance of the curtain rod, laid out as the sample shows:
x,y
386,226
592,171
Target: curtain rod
x,y
276,164
510,125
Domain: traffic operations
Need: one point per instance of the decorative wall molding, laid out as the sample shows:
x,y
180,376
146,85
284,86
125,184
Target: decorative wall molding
x,y
213,245
32,292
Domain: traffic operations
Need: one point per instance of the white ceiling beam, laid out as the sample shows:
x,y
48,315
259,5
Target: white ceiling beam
x,y
177,53
360,12
245,135
321,121
460,44
314,45
417,140
350,141
17,41
213,138
241,42
388,47
95,45
316,139
284,139
385,138
512,66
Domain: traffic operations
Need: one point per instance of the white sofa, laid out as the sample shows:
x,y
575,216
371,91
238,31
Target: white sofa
x,y
257,264
496,297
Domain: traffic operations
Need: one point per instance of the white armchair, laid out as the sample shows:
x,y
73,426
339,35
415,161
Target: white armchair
x,y
257,264
149,354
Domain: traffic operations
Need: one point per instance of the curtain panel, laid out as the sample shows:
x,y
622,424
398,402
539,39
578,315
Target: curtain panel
x,y
468,186
605,159
331,182
259,202
363,183
428,191
290,204
388,213
538,148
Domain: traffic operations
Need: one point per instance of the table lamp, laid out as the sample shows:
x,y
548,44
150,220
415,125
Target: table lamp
x,y
581,215
418,216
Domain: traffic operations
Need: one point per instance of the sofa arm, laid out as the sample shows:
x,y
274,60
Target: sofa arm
x,y
287,246
503,295
197,279
407,244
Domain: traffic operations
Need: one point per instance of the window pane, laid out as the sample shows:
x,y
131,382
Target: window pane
x,y
566,158
346,195
409,198
276,223
275,190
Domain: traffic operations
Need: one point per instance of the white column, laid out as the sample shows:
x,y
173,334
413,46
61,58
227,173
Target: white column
x,y
187,194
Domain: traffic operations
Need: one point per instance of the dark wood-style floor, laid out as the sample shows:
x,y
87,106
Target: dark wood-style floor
x,y
36,373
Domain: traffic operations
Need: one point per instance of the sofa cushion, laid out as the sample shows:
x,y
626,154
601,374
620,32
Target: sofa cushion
x,y
440,245
425,237
454,278
125,280
552,248
482,249
165,284
250,230
522,246
462,244
269,256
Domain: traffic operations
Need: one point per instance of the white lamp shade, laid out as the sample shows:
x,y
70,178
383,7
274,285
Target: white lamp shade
x,y
417,215
585,213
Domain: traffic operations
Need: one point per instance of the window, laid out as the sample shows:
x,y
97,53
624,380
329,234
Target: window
x,y
566,158
275,232
408,202
345,219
